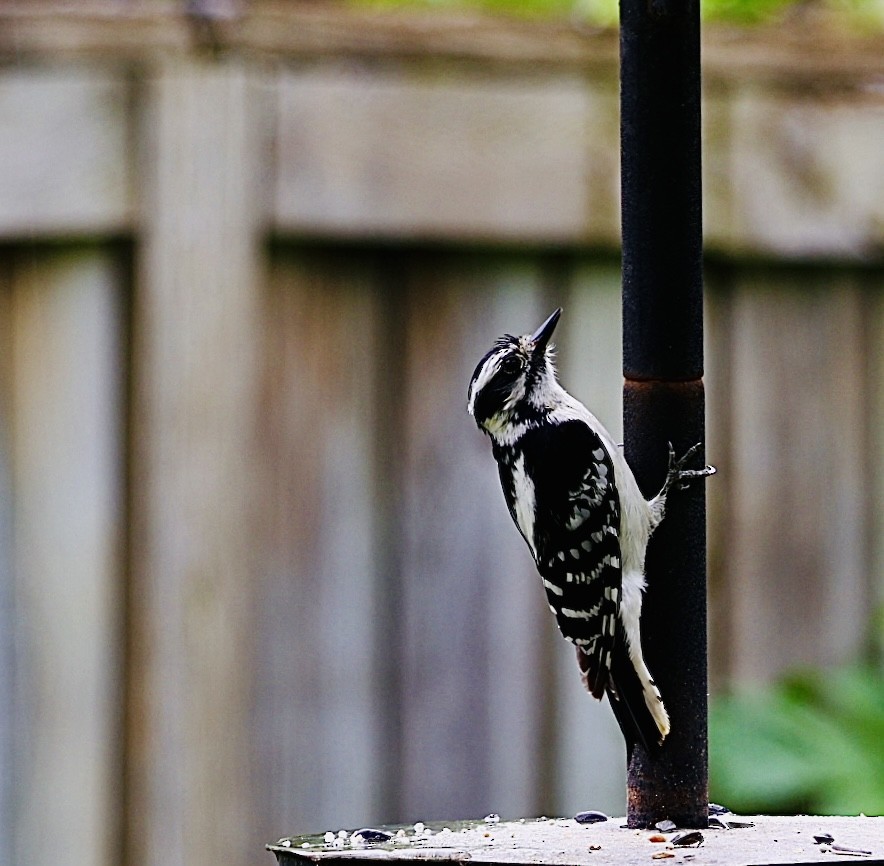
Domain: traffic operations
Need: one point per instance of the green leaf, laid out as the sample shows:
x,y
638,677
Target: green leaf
x,y
811,743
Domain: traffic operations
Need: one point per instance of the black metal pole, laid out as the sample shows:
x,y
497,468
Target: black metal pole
x,y
663,392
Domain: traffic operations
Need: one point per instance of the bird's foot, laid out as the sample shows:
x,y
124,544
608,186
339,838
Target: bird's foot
x,y
679,476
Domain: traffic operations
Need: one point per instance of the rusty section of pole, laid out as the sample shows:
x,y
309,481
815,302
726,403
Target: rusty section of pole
x,y
663,394
672,784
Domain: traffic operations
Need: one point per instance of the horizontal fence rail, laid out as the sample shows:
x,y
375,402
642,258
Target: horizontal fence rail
x,y
364,116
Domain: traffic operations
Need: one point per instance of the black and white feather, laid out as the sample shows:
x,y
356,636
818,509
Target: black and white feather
x,y
575,501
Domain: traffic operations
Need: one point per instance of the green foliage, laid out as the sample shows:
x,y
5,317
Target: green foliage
x,y
863,13
813,743
745,11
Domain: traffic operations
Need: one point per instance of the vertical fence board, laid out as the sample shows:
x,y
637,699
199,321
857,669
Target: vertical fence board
x,y
591,365
720,413
718,219
874,429
797,565
193,495
519,685
67,438
8,735
473,671
319,696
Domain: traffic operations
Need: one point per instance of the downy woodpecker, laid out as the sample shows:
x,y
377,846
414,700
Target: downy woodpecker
x,y
576,503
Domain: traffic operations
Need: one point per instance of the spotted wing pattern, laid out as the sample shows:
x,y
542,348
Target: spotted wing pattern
x,y
576,539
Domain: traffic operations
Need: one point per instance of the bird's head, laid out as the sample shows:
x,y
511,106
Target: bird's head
x,y
515,380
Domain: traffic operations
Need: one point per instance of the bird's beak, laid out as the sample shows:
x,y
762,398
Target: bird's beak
x,y
541,336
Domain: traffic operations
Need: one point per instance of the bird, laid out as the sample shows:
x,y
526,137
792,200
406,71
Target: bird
x,y
578,506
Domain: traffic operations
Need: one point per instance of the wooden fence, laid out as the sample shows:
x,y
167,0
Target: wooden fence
x,y
255,572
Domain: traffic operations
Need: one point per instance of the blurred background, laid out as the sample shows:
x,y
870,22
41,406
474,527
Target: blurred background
x,y
256,575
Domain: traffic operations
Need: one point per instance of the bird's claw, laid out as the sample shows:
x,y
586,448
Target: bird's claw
x,y
682,477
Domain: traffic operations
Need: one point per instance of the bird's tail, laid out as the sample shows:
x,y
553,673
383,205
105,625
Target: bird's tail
x,y
635,700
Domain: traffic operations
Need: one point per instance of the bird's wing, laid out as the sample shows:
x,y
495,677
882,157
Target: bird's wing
x,y
577,540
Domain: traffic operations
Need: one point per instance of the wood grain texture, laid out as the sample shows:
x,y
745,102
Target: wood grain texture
x,y
64,149
805,173
193,494
8,732
322,696
333,620
796,568
137,29
66,378
590,361
473,669
400,125
437,154
874,421
721,416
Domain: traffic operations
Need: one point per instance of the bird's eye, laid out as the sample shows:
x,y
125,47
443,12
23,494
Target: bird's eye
x,y
511,365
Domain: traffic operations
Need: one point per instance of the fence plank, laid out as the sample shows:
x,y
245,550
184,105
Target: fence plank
x,y
321,698
591,363
474,667
67,475
423,154
804,172
193,498
874,429
446,151
8,733
64,148
796,570
139,29
720,414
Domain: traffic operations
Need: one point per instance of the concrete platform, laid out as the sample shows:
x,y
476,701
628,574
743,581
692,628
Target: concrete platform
x,y
564,842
